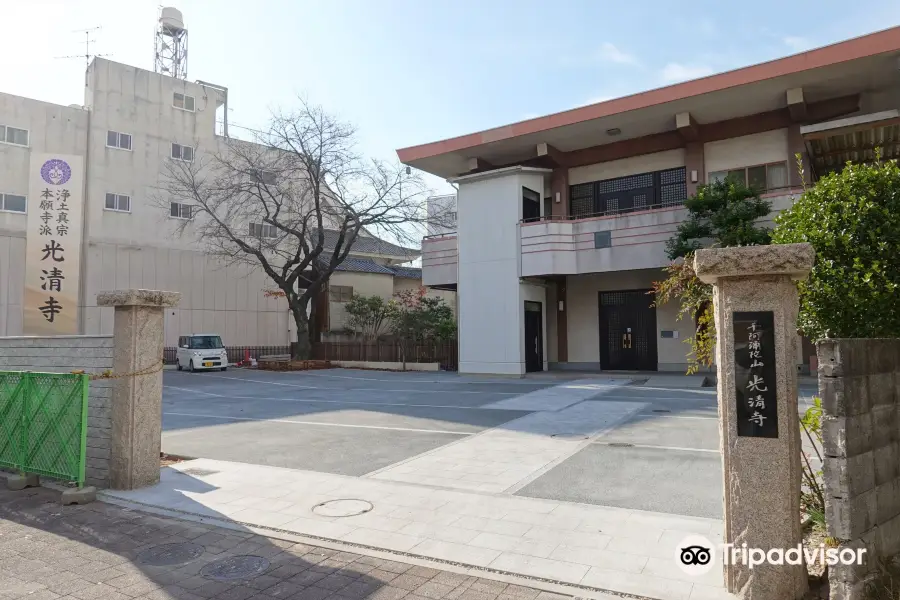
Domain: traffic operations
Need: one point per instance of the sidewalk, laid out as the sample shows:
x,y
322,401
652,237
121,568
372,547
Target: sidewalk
x,y
105,552
599,549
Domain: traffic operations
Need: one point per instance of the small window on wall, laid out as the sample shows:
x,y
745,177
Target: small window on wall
x,y
263,230
118,202
183,102
762,178
185,153
13,203
181,211
13,135
263,176
340,293
122,141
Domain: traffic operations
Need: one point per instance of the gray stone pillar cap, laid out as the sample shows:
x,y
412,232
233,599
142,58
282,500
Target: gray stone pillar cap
x,y
794,260
138,298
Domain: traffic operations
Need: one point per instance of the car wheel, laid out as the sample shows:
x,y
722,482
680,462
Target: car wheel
x,y
191,366
224,368
177,365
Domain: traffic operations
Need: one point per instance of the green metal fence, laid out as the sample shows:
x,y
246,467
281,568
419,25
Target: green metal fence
x,y
43,423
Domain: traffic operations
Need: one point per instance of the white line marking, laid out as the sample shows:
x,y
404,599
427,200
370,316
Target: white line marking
x,y
648,399
664,416
312,387
613,424
630,445
351,402
179,414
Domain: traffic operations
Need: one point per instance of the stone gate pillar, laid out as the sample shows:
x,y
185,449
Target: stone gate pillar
x,y
136,411
756,305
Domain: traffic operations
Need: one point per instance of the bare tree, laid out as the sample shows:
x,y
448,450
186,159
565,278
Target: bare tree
x,y
294,203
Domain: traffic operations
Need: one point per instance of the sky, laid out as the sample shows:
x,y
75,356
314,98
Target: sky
x,y
408,72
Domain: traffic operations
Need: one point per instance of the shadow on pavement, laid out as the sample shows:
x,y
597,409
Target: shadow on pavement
x,y
107,552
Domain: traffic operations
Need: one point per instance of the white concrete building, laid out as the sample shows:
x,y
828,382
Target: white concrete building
x,y
563,219
109,155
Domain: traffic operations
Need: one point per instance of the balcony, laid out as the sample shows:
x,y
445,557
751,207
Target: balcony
x,y
440,257
613,242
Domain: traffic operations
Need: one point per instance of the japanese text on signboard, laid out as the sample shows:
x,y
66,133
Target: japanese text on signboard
x,y
754,360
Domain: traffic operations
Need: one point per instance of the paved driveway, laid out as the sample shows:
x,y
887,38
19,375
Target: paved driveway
x,y
593,441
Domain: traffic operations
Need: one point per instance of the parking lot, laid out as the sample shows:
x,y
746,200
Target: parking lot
x,y
623,445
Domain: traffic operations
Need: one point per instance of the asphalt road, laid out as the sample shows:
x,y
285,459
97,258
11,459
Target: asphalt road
x,y
665,458
347,424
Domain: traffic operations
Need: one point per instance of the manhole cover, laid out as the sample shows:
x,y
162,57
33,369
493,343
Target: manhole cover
x,y
235,567
344,507
570,436
621,445
198,472
169,555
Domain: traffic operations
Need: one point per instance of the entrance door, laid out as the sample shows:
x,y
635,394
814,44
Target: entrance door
x,y
627,331
534,338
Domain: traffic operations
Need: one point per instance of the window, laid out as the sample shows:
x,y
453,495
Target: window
x,y
205,342
12,135
762,178
263,230
114,139
181,211
263,176
118,202
183,102
453,217
642,191
340,293
180,152
12,203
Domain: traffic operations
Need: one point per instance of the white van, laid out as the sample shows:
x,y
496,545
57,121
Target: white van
x,y
200,351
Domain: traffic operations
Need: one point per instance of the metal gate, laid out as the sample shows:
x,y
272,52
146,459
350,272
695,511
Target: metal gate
x,y
627,331
43,423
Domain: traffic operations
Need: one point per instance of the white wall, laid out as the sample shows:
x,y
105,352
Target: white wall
x,y
638,241
12,283
658,161
364,284
746,151
138,248
214,298
440,260
491,302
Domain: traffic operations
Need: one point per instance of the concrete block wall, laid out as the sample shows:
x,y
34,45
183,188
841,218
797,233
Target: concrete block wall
x,y
859,383
62,354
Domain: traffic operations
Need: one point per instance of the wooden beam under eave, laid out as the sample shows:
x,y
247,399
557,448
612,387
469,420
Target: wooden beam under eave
x,y
796,104
826,110
479,164
551,156
687,127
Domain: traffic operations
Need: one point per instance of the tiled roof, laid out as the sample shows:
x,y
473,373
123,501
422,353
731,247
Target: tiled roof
x,y
363,265
367,265
408,272
371,245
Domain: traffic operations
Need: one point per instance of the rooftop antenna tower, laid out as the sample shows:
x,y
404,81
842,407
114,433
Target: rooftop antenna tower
x,y
87,56
170,48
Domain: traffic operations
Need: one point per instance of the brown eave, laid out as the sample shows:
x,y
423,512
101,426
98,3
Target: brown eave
x,y
853,49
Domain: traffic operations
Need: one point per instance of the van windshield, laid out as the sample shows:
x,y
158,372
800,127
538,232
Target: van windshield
x,y
205,342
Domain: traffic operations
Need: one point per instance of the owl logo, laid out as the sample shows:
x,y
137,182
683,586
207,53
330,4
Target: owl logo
x,y
56,171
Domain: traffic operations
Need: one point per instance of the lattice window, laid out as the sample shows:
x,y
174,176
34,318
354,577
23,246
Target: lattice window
x,y
582,199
